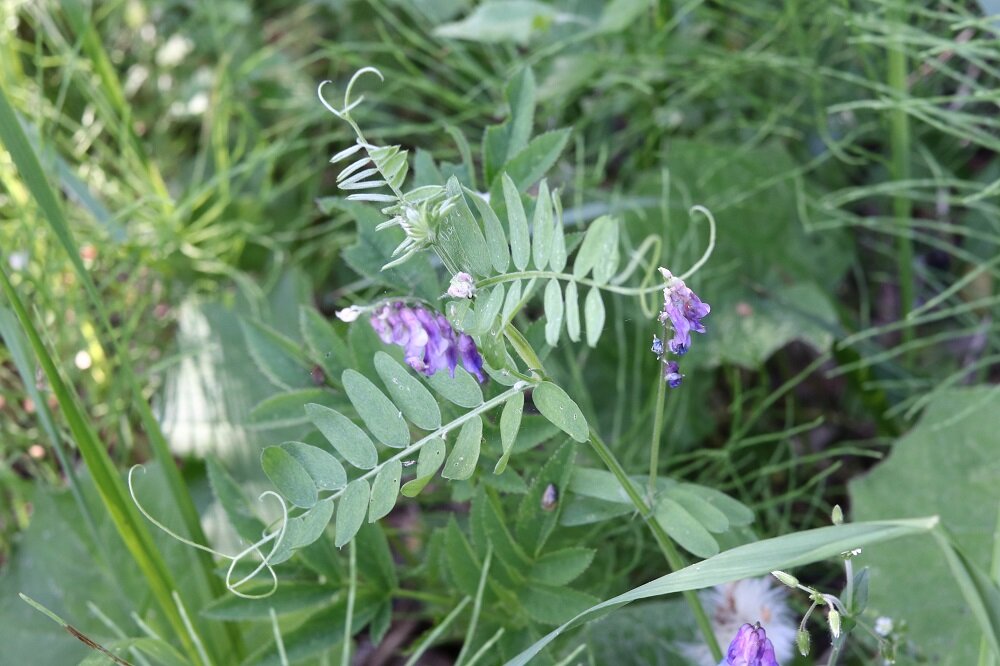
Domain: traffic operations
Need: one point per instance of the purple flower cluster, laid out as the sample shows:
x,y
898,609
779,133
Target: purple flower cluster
x,y
683,311
750,647
429,342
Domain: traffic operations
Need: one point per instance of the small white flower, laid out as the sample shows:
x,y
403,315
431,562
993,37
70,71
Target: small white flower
x,y
349,314
883,626
462,286
747,601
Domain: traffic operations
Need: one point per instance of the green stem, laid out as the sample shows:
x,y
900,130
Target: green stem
x,y
899,122
667,547
654,444
567,277
345,655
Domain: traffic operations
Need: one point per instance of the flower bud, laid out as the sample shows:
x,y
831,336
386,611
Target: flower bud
x,y
802,641
786,579
462,286
349,314
834,619
837,515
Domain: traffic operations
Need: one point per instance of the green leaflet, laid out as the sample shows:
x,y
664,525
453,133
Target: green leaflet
x,y
348,439
428,462
561,411
542,227
553,303
465,454
288,475
593,315
326,471
383,418
409,393
351,511
385,490
517,222
510,424
572,312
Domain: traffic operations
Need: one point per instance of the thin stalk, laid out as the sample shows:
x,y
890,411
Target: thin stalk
x,y
899,136
654,444
345,655
438,630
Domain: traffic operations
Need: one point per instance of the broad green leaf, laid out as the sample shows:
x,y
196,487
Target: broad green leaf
x,y
286,409
325,345
517,222
735,512
465,454
383,418
710,517
580,510
685,529
430,459
460,236
496,239
521,97
326,471
304,530
351,512
950,459
548,604
599,250
598,484
528,166
507,21
234,503
536,516
558,254
289,597
289,477
561,567
385,490
462,389
572,312
273,355
541,225
561,411
755,559
553,304
979,590
496,528
348,439
413,398
462,566
488,305
512,301
510,424
593,316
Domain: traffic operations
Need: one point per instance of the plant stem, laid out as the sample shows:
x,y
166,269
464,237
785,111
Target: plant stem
x,y
654,444
899,123
667,547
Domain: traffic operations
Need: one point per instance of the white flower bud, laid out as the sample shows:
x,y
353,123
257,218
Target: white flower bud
x,y
837,516
786,578
349,314
834,619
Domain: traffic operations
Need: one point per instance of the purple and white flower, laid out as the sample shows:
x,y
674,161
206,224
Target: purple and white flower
x,y
683,310
462,286
672,374
750,647
429,342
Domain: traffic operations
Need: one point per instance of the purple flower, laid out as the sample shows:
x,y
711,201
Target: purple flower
x,y
750,647
683,310
657,347
429,342
672,373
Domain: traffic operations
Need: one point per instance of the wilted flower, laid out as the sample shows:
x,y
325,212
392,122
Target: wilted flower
x,y
429,342
748,601
683,310
462,286
672,374
750,647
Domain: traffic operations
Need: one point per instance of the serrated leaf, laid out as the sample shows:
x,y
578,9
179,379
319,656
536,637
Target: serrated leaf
x,y
488,306
510,424
351,512
347,439
465,454
326,471
553,303
512,301
710,516
289,477
593,315
413,398
385,490
561,411
685,529
325,345
542,227
383,418
462,389
289,597
517,223
496,239
561,567
572,312
430,459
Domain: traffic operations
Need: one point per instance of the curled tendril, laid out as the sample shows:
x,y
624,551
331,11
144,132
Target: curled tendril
x,y
277,536
711,240
348,104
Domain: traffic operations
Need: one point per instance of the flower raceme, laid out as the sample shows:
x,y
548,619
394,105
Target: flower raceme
x,y
750,647
429,342
683,312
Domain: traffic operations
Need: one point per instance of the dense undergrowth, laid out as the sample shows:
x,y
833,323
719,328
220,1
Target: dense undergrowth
x,y
176,243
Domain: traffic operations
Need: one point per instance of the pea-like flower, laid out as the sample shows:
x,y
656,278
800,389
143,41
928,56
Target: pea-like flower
x,y
429,342
750,647
683,310
672,374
